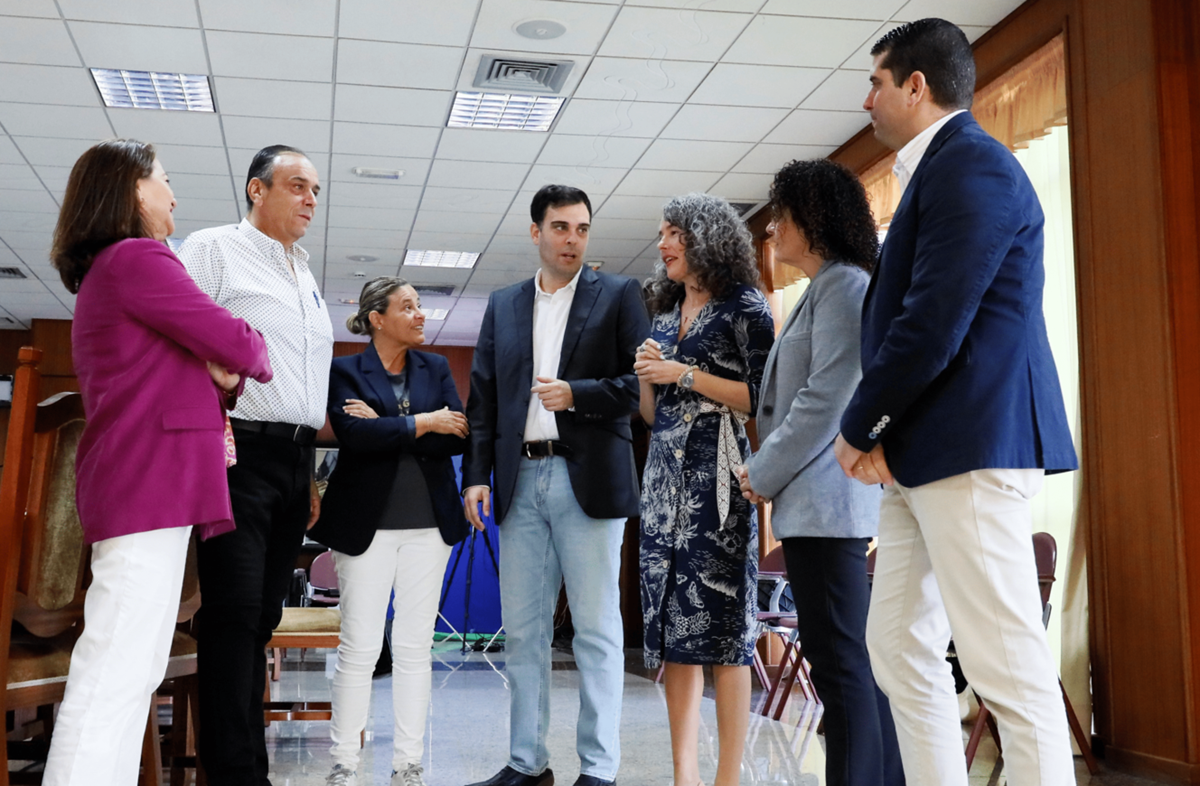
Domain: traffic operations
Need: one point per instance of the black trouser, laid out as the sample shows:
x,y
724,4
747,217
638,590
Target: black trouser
x,y
244,577
829,585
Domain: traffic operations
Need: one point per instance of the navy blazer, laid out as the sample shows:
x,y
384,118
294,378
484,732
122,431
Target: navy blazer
x,y
370,449
605,325
957,369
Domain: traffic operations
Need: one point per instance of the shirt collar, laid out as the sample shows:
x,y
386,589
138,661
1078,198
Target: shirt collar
x,y
537,284
270,247
908,158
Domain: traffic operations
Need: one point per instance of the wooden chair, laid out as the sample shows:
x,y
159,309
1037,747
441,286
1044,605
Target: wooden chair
x,y
306,628
1045,551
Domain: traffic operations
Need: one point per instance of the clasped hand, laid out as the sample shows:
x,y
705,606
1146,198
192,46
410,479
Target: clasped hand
x,y
650,366
442,421
743,476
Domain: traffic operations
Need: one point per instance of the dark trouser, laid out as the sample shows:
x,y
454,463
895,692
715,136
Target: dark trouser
x,y
244,577
829,585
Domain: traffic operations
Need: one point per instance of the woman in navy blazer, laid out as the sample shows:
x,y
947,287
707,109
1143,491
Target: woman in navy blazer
x,y
391,513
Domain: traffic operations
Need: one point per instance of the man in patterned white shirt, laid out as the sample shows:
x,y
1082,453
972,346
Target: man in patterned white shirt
x,y
257,271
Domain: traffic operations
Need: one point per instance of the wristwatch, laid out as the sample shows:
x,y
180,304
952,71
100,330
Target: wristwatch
x,y
687,378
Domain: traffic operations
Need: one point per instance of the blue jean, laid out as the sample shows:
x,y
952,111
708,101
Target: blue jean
x,y
546,538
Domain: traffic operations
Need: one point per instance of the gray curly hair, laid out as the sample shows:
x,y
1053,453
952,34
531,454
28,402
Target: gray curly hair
x,y
376,294
716,245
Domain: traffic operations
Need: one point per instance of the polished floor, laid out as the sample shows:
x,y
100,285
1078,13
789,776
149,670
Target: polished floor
x,y
467,737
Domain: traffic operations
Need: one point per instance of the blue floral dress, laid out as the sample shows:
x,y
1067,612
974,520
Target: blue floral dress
x,y
699,541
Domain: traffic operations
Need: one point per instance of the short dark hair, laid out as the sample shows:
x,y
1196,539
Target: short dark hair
x,y
556,196
827,202
940,51
100,206
263,167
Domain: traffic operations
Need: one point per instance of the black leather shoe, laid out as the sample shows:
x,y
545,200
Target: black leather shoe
x,y
592,780
510,777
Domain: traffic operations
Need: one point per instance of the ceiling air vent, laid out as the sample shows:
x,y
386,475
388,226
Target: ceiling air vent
x,y
528,76
435,289
11,272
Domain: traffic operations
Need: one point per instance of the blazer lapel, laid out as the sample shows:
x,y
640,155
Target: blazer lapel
x,y
523,336
773,356
376,377
587,289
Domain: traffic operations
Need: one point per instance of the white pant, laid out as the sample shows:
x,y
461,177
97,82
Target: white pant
x,y
413,562
119,661
971,536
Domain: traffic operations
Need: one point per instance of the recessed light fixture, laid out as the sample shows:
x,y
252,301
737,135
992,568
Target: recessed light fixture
x,y
462,259
359,274
540,29
378,174
435,313
153,90
361,258
505,111
595,264
349,301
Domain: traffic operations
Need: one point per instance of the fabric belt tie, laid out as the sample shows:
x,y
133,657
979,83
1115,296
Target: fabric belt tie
x,y
729,455
304,436
545,449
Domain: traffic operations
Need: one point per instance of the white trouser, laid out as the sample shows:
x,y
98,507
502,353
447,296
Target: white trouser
x,y
413,562
119,661
971,536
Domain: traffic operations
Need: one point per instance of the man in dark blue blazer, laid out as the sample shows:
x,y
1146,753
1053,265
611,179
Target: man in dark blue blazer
x,y
552,389
959,412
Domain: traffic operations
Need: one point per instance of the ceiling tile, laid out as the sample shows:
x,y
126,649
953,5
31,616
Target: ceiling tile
x,y
73,122
624,79
672,34
259,56
386,218
259,132
591,151
665,182
27,201
736,84
435,275
199,160
768,159
140,48
983,13
585,26
386,263
743,187
55,178
471,174
273,98
862,57
748,124
42,8
747,6
594,180
615,118
446,22
36,84
800,41
384,140
448,241
398,65
133,12
41,41
843,91
624,206
415,169
812,127
365,193
38,223
601,246
630,228
187,185
210,211
481,144
298,17
367,238
242,156
51,152
466,199
402,106
527,262
688,153
877,10
8,151
519,245
467,221
181,128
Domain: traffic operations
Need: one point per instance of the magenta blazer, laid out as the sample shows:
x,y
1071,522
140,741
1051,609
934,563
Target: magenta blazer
x,y
152,454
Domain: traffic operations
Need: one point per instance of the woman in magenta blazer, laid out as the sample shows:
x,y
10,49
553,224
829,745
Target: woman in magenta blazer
x,y
157,363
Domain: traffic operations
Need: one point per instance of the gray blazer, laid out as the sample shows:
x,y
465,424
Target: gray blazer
x,y
811,373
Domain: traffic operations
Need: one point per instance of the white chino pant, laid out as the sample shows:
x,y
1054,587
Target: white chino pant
x,y
956,558
119,661
413,563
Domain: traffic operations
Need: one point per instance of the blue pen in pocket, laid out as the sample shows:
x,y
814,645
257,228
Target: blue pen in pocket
x,y
316,299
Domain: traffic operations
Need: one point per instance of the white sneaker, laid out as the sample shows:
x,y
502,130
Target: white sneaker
x,y
409,776
341,775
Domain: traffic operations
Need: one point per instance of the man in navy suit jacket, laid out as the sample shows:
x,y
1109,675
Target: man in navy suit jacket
x,y
552,389
959,411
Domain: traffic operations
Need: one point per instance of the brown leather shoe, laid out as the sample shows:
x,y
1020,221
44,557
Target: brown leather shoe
x,y
510,777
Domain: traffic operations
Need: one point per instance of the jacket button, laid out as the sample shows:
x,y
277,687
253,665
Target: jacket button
x,y
687,417
768,409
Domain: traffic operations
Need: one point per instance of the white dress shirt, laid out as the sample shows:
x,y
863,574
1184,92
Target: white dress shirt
x,y
908,158
550,313
248,273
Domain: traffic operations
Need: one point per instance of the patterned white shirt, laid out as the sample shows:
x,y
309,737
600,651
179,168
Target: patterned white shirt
x,y
550,312
248,273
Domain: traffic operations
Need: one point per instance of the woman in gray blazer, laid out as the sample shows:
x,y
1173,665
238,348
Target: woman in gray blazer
x,y
823,226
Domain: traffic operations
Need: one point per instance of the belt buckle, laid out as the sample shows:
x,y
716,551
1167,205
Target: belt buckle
x,y
296,435
525,450
550,448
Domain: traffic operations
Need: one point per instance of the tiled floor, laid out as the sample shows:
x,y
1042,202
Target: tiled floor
x,y
467,738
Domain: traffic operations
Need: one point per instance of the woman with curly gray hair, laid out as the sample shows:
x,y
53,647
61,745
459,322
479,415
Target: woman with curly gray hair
x,y
700,373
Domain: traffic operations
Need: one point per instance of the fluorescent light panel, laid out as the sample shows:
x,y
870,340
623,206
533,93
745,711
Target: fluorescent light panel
x,y
504,111
462,259
153,90
435,313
